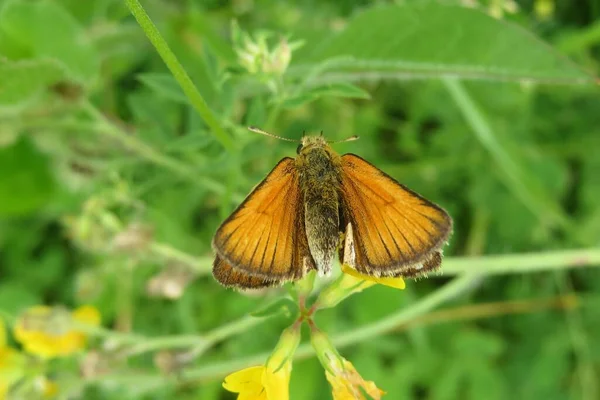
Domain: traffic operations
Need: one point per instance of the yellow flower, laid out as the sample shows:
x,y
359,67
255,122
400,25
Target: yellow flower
x,y
248,383
351,282
50,332
272,380
260,383
397,283
48,388
347,384
11,364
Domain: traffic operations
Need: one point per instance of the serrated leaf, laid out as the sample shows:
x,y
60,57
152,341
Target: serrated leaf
x,y
26,182
429,39
164,85
47,30
285,306
22,80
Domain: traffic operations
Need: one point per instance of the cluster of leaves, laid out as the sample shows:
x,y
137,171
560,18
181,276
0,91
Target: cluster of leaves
x,y
111,183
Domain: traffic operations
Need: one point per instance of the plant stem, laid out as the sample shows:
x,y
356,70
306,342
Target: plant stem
x,y
580,343
200,265
448,292
489,265
522,263
179,73
514,175
198,343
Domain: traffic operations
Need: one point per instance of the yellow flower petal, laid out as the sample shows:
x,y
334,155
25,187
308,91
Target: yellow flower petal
x,y
2,333
271,381
49,388
11,364
3,390
11,369
87,315
347,384
397,283
277,383
247,382
260,383
49,332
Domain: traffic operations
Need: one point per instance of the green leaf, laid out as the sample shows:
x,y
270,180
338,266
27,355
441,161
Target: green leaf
x,y
425,39
164,85
20,81
299,100
26,182
47,30
342,90
339,89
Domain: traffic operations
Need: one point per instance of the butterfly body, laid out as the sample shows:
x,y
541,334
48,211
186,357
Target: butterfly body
x,y
292,221
319,169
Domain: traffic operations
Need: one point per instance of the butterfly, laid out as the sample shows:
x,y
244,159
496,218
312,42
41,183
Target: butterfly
x,y
320,205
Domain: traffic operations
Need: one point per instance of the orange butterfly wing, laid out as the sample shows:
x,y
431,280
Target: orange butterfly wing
x,y
232,277
395,231
265,236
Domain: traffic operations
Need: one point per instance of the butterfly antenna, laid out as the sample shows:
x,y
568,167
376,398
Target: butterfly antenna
x,y
348,139
257,130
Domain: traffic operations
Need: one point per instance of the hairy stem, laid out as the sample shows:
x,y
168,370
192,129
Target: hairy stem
x,y
384,325
179,73
522,263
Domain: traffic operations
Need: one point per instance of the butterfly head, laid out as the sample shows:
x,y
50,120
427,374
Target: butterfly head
x,y
309,143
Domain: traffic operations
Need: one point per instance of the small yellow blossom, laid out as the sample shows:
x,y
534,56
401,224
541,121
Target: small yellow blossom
x,y
272,380
11,364
347,384
397,283
50,332
248,383
48,388
352,282
260,383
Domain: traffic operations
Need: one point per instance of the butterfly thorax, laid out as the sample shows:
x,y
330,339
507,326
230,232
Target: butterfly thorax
x,y
319,171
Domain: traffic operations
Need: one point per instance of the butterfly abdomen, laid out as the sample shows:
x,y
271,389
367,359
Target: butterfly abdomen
x,y
319,181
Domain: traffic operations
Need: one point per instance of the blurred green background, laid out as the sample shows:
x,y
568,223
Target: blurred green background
x,y
112,185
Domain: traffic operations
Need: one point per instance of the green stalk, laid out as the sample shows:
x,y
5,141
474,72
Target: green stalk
x,y
200,265
522,263
357,335
515,177
478,266
179,73
197,343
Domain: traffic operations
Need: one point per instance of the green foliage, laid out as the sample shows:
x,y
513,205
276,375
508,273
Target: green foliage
x,y
116,169
30,184
45,30
429,38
